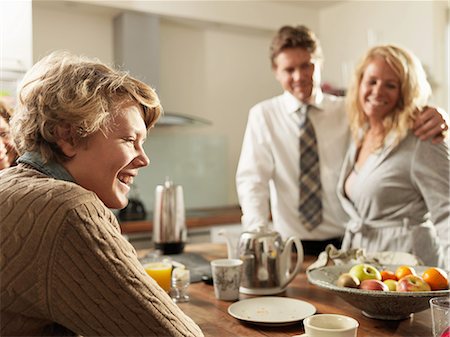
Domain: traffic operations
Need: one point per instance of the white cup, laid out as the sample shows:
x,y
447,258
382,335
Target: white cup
x,y
330,325
226,275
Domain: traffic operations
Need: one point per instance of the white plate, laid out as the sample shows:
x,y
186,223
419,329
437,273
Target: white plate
x,y
271,310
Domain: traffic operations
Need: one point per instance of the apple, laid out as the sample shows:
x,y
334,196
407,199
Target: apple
x,y
373,284
347,280
412,283
392,284
365,272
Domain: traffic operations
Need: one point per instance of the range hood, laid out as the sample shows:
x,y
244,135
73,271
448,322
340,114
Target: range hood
x,y
136,49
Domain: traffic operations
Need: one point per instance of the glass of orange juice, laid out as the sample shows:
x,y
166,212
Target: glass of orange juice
x,y
161,272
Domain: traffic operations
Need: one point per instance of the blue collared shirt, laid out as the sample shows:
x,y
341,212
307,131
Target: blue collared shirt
x,y
51,168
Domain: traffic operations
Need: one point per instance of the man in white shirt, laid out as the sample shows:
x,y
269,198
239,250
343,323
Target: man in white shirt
x,y
269,168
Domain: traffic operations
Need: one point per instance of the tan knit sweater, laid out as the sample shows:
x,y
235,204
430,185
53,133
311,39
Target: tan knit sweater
x,y
66,269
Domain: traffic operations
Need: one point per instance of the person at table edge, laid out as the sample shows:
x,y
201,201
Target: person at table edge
x,y
66,269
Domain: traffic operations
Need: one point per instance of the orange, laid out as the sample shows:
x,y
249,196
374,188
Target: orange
x,y
403,271
388,275
436,278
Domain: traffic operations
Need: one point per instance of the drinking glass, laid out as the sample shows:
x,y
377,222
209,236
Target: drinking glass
x,y
440,315
161,272
180,284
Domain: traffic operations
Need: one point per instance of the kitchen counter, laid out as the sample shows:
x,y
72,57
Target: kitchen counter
x,y
195,218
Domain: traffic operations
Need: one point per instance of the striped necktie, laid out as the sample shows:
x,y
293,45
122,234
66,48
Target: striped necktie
x,y
310,207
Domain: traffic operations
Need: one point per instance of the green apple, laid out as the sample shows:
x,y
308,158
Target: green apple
x,y
365,272
392,284
347,280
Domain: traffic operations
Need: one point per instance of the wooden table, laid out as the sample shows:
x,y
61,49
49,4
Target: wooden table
x,y
212,316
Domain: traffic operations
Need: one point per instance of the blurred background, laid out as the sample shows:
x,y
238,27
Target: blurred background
x,y
209,62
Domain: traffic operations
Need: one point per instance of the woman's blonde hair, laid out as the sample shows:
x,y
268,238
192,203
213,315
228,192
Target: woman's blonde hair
x,y
414,92
63,89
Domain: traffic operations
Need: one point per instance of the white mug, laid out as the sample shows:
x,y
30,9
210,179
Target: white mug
x,y
330,325
226,275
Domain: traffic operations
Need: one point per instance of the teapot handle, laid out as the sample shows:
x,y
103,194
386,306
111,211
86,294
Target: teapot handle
x,y
286,257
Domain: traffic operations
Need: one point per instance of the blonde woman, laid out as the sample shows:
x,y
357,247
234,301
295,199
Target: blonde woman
x,y
394,186
66,269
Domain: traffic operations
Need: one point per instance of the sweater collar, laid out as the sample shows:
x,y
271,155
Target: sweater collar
x,y
51,168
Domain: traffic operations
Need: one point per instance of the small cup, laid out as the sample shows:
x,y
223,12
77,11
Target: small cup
x,y
226,275
440,315
161,272
180,284
330,325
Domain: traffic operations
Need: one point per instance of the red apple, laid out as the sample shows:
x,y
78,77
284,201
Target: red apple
x,y
365,272
373,285
412,283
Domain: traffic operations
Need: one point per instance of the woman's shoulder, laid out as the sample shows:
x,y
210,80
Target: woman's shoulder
x,y
425,151
427,145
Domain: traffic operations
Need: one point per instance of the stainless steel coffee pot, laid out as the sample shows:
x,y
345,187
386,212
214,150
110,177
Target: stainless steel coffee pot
x,y
169,224
267,260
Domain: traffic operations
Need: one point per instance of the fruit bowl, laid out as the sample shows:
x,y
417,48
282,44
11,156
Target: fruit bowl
x,y
386,305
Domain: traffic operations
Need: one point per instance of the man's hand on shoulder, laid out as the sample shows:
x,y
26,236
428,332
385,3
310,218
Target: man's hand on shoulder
x,y
431,123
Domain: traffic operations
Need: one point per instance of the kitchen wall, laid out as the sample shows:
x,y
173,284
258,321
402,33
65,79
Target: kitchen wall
x,y
15,43
349,28
217,73
82,30
214,64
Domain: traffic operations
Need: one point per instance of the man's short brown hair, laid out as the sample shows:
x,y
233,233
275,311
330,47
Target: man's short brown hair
x,y
295,37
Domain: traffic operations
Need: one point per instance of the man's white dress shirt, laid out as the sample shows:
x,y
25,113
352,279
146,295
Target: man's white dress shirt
x,y
269,164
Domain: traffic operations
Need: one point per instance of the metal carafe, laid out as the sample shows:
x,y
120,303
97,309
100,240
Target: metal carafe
x,y
169,224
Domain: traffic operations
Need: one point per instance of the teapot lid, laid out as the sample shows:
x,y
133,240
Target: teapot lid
x,y
262,230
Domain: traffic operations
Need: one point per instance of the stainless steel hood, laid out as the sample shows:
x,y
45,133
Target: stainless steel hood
x,y
173,119
136,49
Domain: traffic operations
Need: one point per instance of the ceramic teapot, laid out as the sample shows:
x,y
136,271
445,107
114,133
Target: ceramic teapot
x,y
267,260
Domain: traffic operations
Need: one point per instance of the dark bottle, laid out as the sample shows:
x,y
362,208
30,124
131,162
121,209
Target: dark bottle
x,y
135,209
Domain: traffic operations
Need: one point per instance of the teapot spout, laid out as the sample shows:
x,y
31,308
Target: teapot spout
x,y
231,248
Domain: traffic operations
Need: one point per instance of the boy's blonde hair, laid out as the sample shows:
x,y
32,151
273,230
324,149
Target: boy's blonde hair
x,y
63,89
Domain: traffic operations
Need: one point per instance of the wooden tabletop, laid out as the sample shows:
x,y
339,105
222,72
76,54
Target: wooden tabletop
x,y
212,316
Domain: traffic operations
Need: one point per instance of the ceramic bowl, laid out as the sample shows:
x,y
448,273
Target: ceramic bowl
x,y
386,305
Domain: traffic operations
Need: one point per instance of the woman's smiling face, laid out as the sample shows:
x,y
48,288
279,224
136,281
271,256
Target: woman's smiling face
x,y
379,91
107,162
